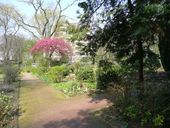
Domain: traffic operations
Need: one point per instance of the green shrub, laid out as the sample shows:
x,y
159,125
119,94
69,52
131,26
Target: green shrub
x,y
72,88
11,73
158,120
6,110
147,118
153,110
107,73
85,73
57,73
131,112
41,70
76,66
36,70
86,59
27,69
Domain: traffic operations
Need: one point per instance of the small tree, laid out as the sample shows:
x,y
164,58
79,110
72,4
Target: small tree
x,y
50,46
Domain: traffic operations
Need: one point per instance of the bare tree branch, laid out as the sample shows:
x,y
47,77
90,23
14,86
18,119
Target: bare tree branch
x,y
36,13
23,22
46,22
9,28
55,25
49,20
33,33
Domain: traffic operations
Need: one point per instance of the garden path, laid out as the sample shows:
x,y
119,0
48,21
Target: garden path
x,y
42,106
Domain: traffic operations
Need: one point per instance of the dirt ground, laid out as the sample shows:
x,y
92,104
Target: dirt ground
x,y
42,106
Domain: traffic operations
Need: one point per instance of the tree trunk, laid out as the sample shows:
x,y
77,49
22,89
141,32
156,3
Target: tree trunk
x,y
50,59
164,49
140,59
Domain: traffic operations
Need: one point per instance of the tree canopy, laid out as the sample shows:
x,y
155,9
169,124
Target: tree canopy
x,y
129,29
51,45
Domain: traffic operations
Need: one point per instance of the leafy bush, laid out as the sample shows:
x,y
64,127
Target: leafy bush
x,y
152,111
158,120
6,110
41,61
57,73
72,88
36,70
85,73
131,112
27,69
41,70
107,73
76,66
86,59
11,73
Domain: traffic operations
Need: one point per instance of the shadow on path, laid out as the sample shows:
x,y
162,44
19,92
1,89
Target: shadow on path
x,y
42,106
83,121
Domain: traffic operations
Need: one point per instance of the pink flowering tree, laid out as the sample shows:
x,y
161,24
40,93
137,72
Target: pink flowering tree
x,y
50,46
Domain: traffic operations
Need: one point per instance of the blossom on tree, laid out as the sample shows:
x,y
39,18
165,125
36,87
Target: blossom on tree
x,y
51,45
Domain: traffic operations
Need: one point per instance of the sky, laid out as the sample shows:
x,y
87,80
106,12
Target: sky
x,y
28,11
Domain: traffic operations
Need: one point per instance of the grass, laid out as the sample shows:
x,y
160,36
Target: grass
x,y
72,88
69,87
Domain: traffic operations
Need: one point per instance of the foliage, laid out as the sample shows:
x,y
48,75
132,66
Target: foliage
x,y
49,46
131,112
158,120
11,73
77,33
76,66
146,118
129,29
27,45
72,88
41,70
107,73
85,59
6,110
152,112
27,69
86,73
57,73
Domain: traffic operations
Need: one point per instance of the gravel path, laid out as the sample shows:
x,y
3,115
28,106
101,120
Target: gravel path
x,y
42,106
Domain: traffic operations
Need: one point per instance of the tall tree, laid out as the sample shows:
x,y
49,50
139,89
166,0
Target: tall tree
x,y
50,46
9,29
46,20
123,27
